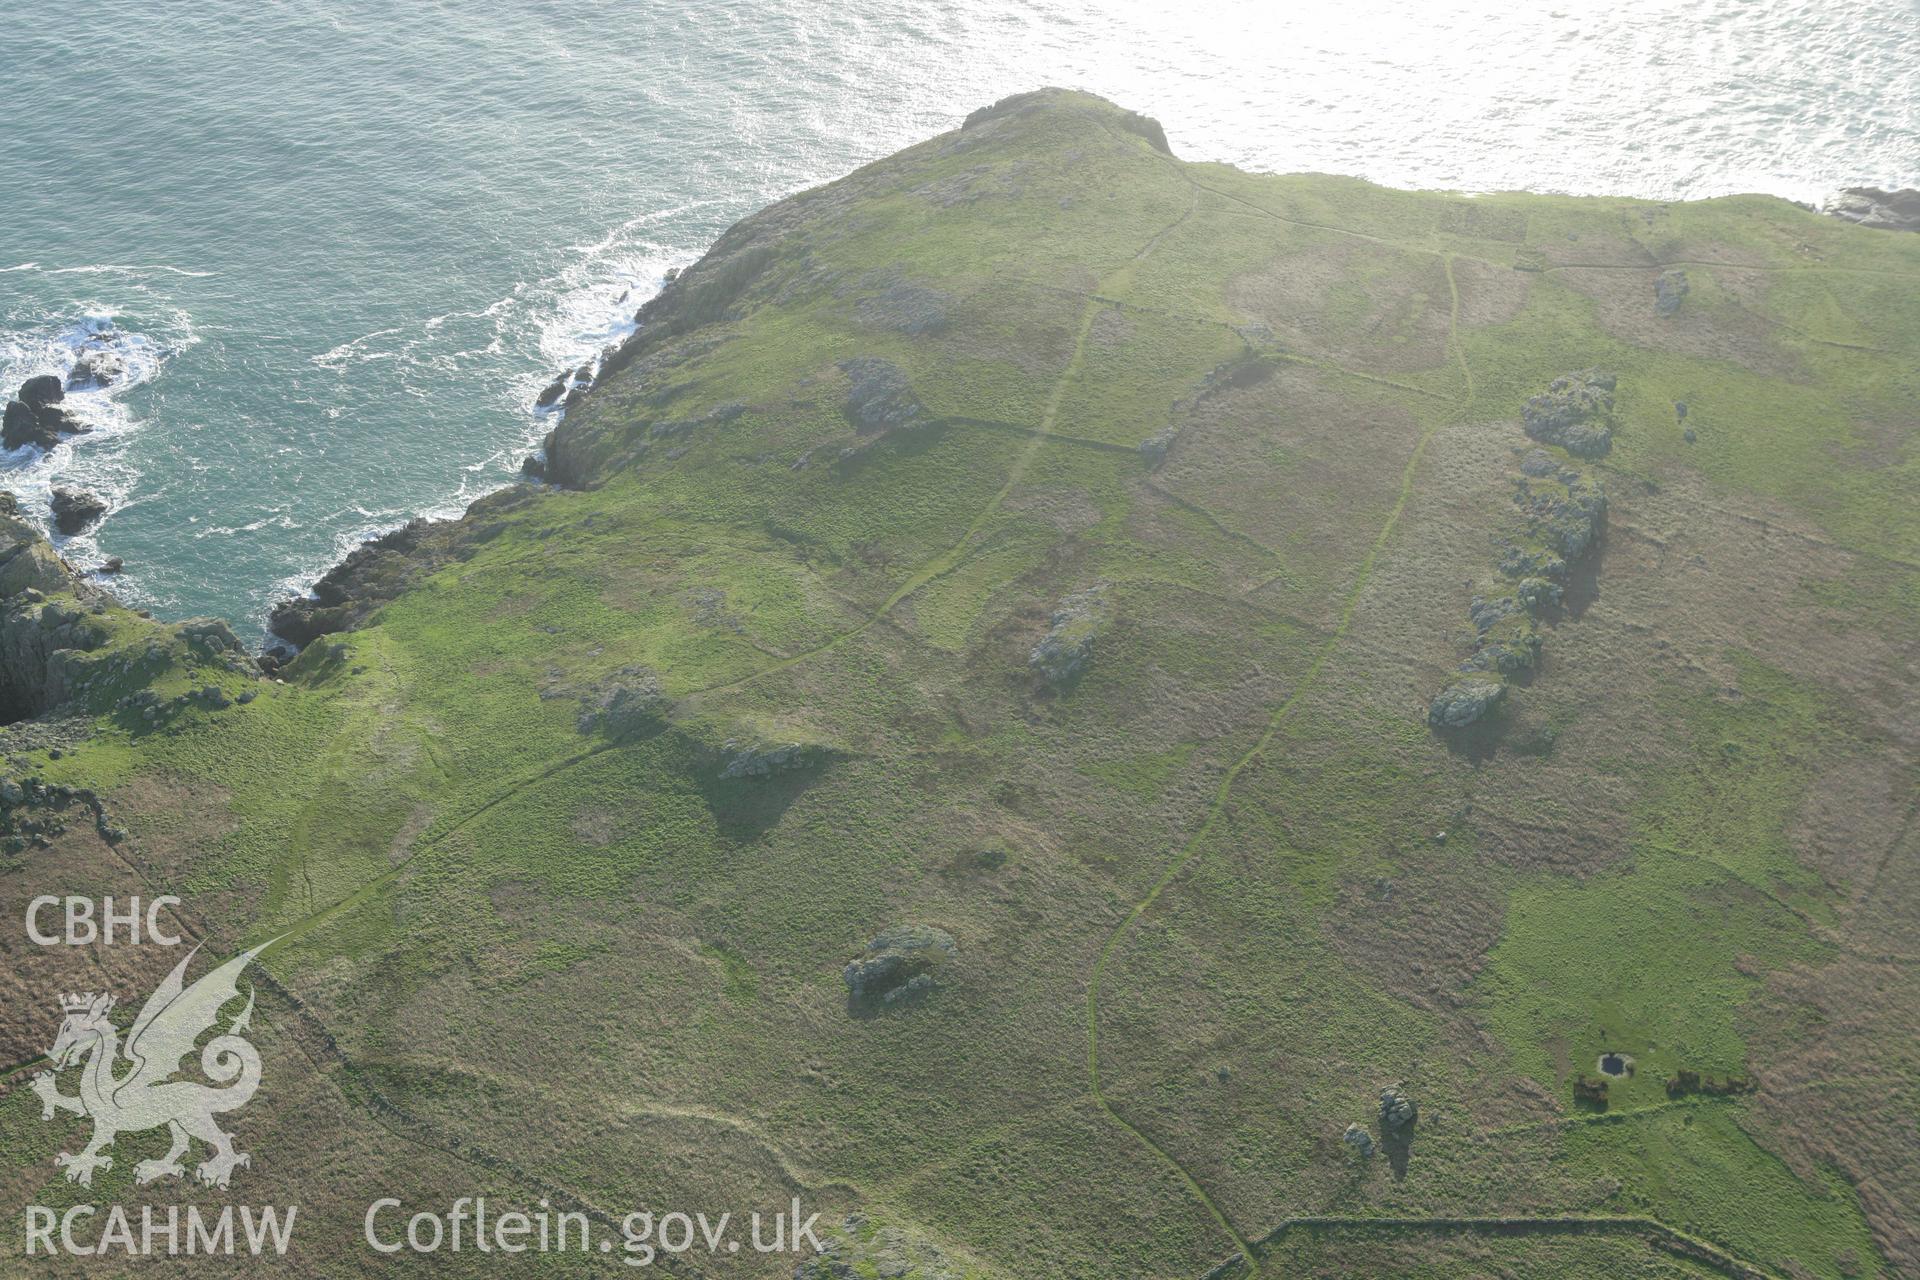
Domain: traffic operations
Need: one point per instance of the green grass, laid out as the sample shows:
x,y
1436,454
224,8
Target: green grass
x,y
1227,828
1696,1168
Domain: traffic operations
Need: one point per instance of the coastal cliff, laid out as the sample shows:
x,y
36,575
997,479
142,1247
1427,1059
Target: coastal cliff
x,y
1084,714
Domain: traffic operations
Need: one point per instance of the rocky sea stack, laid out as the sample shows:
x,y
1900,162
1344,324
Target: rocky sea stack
x,y
36,417
75,510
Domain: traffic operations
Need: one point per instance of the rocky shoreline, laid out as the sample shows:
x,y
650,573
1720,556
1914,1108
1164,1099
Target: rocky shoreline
x,y
1877,208
68,644
378,571
37,417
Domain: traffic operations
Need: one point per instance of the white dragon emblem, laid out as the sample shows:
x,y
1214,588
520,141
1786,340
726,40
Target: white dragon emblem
x,y
146,1095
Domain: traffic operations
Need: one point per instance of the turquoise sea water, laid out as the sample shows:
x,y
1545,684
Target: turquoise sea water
x,y
342,243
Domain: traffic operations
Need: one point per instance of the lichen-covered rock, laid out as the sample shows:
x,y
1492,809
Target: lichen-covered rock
x,y
1359,1140
1509,647
1156,447
1076,623
1538,593
1465,701
898,963
632,702
1397,1111
28,565
1506,638
211,635
1517,561
746,760
1668,291
1574,412
879,397
44,643
1486,613
1566,512
1538,462
862,1248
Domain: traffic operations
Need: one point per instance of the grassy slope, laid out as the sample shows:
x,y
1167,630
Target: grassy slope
x,y
618,972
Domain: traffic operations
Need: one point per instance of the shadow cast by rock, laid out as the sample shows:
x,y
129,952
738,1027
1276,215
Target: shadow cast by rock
x,y
867,1008
1476,743
747,808
1397,1146
1583,582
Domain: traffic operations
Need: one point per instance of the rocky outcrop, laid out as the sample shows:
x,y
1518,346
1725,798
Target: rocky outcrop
x,y
61,654
1685,1083
1561,511
1064,652
41,638
629,704
1507,642
706,293
42,391
555,464
1873,207
101,361
1465,702
35,417
898,963
1575,412
99,365
771,254
1397,1111
1565,511
861,1248
381,570
95,369
749,760
1021,104
1149,128
1156,447
1358,1140
1669,290
879,397
75,509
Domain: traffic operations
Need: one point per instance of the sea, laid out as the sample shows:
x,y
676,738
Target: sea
x,y
337,246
